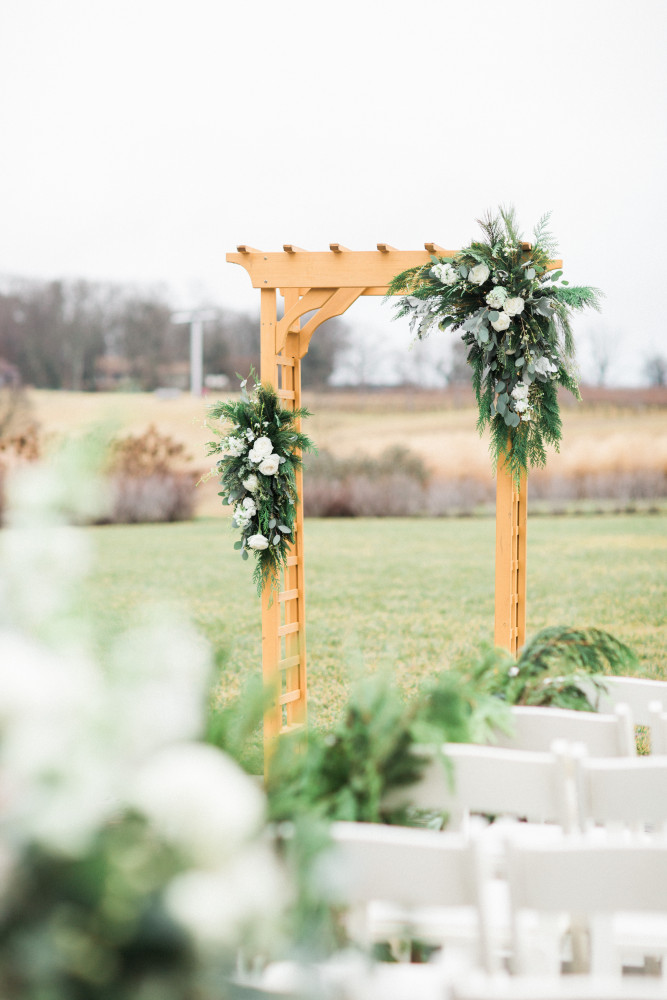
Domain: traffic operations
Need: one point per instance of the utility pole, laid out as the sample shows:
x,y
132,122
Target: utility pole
x,y
196,319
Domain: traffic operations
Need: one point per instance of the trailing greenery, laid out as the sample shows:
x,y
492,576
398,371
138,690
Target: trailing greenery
x,y
512,311
261,454
560,667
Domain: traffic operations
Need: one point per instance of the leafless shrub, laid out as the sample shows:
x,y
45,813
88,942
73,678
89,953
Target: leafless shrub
x,y
148,481
16,450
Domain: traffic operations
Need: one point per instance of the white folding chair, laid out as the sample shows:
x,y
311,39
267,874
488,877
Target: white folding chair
x,y
638,693
623,793
603,735
617,891
399,882
466,778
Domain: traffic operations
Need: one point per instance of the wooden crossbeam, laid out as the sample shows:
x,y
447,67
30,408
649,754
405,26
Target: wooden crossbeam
x,y
338,267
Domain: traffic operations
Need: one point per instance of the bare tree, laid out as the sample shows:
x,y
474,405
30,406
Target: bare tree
x,y
604,344
655,369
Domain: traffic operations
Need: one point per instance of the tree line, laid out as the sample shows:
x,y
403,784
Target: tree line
x,y
87,335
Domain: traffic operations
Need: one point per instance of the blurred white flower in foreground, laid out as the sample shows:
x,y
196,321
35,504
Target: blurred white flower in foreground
x,y
86,746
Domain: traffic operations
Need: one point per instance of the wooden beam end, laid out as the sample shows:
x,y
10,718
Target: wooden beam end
x,y
244,248
385,247
338,248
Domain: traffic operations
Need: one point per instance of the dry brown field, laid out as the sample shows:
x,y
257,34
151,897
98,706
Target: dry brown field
x,y
611,431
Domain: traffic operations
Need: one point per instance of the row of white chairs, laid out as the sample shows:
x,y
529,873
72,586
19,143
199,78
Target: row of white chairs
x,y
562,786
567,904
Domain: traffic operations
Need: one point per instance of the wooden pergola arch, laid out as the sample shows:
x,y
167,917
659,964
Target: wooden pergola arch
x,y
326,284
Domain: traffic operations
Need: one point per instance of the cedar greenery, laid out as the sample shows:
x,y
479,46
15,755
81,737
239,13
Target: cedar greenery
x,y
264,497
513,314
560,667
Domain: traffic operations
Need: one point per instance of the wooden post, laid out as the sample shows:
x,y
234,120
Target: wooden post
x,y
511,523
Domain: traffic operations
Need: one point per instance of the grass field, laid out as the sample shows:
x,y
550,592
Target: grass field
x,y
406,594
595,439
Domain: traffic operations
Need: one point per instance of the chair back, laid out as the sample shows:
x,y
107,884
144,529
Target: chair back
x,y
584,879
465,778
603,735
638,693
628,792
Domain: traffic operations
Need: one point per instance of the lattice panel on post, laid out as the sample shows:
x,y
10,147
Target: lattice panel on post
x,y
283,613
511,523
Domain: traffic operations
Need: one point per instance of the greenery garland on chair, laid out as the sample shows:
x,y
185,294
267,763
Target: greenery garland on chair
x,y
260,456
514,317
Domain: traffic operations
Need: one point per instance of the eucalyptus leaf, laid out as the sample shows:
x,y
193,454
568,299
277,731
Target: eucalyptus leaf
x,y
463,271
494,315
276,539
500,386
530,368
244,554
483,335
272,523
514,419
530,273
434,259
285,530
507,417
238,545
565,282
556,275
519,362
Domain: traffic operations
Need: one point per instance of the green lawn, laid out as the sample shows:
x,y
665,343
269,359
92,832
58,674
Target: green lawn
x,y
407,594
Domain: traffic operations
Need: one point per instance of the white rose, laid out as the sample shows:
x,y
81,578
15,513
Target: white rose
x,y
478,274
496,298
235,446
250,505
514,306
445,273
520,391
501,323
251,483
262,447
258,542
520,405
270,465
543,366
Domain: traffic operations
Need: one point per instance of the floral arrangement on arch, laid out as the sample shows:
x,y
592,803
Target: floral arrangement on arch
x,y
260,455
512,310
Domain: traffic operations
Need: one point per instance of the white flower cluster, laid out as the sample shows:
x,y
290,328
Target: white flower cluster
x,y
445,273
244,512
510,307
520,396
82,742
263,456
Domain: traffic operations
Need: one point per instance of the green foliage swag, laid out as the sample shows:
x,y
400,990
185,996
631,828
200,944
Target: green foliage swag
x,y
513,314
260,456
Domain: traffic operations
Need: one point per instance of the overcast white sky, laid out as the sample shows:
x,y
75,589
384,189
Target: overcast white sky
x,y
141,139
